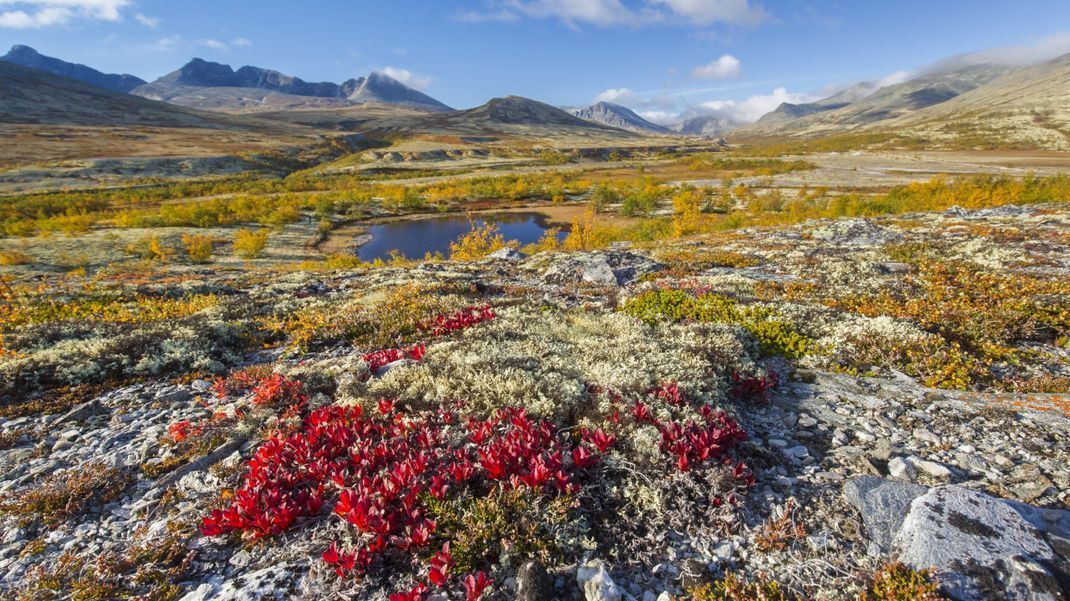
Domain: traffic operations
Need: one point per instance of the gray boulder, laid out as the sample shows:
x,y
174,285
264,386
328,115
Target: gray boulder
x,y
985,548
534,583
609,268
883,505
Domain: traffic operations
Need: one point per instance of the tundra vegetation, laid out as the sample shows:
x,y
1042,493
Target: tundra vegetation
x,y
402,427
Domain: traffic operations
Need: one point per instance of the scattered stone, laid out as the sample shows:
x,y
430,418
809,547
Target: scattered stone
x,y
900,469
596,584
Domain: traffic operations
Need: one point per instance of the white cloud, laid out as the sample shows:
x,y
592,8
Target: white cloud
x,y
893,79
413,80
166,43
752,109
708,12
726,67
147,21
1044,49
660,117
635,13
241,43
616,95
212,45
36,14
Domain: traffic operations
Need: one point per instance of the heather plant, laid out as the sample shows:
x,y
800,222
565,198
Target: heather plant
x,y
970,319
64,495
146,570
733,587
897,582
387,318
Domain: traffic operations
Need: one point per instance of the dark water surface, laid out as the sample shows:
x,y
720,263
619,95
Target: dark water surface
x,y
418,237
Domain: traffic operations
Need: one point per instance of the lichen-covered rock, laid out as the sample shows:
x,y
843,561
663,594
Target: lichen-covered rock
x,y
274,583
883,505
981,547
609,268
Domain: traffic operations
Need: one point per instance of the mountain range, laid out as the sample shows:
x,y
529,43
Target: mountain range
x,y
854,109
28,57
977,105
208,85
204,84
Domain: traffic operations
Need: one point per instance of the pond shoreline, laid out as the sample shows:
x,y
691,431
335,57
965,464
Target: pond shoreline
x,y
350,236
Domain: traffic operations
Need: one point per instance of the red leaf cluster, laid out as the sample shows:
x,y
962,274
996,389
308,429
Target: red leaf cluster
x,y
753,389
377,468
378,359
465,318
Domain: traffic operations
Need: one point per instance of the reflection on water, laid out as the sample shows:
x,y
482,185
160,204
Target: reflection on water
x,y
416,238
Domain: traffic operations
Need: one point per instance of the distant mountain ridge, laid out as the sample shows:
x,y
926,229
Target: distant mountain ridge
x,y
204,84
28,57
854,109
615,115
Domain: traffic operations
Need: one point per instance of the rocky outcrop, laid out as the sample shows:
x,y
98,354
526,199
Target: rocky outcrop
x,y
981,547
609,268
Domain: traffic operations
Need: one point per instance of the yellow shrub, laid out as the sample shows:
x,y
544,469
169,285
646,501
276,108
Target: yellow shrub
x,y
249,244
14,257
150,248
478,243
548,242
687,204
586,234
198,247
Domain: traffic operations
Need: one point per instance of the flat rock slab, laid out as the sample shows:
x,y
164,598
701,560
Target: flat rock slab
x,y
883,505
610,268
985,548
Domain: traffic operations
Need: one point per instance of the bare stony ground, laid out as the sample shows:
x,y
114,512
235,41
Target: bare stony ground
x,y
852,456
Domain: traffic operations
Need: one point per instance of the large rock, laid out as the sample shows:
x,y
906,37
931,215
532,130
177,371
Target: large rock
x,y
883,505
987,548
269,584
534,583
854,232
609,268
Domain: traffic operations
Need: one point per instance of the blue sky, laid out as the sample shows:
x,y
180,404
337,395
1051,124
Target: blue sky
x,y
662,57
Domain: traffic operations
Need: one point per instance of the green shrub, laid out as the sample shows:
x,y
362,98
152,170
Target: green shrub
x,y
774,335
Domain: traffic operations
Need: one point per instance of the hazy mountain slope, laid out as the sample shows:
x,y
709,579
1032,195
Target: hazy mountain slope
x,y
45,117
1028,108
208,85
707,126
28,57
615,115
884,105
789,112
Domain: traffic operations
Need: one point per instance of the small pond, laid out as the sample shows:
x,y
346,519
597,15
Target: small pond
x,y
417,237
